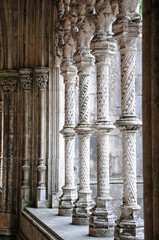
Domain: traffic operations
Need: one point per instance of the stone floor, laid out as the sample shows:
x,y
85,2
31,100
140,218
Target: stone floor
x,y
62,225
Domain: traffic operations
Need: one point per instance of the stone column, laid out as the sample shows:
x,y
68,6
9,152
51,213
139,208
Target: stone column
x,y
150,118
84,61
69,73
41,75
102,220
26,82
127,31
8,82
1,141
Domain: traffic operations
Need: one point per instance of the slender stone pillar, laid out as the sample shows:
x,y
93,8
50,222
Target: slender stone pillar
x,y
129,224
26,77
84,61
41,75
69,73
8,82
102,220
1,141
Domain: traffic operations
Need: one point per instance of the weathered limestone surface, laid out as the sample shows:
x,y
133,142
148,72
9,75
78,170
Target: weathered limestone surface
x,y
127,30
29,39
69,73
150,118
104,48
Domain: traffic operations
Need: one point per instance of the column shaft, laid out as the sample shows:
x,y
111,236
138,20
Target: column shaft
x,y
42,79
8,82
129,224
1,141
103,48
69,73
84,61
26,81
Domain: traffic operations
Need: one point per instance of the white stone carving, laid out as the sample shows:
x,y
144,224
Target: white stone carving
x,y
128,82
103,47
129,164
84,151
103,165
84,61
69,72
127,31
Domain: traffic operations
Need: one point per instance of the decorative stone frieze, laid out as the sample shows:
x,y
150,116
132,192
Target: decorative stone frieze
x,y
42,77
69,73
84,62
26,78
102,219
127,31
8,82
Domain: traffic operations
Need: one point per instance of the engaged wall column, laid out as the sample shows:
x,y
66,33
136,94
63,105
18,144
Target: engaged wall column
x,y
1,140
8,82
26,77
42,77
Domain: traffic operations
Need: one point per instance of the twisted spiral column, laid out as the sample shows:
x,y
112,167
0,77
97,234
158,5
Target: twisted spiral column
x,y
102,219
42,77
84,203
129,224
69,195
84,61
26,82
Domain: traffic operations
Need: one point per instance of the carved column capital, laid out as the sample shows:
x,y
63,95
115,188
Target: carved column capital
x,y
106,15
42,77
127,32
9,80
128,9
26,78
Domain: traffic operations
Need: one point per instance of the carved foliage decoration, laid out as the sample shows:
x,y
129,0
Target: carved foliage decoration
x,y
128,7
9,84
26,82
42,80
106,16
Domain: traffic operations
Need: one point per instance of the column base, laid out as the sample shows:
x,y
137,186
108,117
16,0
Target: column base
x,y
41,202
102,219
66,201
82,210
129,226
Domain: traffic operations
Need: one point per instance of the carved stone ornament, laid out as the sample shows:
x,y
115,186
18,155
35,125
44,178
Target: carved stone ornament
x,y
26,78
42,77
128,8
9,80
